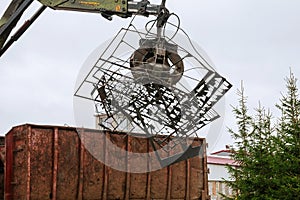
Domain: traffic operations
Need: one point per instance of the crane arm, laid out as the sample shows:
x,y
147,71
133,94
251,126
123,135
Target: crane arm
x,y
122,8
107,8
11,17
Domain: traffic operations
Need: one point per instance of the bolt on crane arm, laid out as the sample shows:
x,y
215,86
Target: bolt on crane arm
x,y
107,8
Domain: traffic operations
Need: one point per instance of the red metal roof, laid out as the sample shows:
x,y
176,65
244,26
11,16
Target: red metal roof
x,y
220,160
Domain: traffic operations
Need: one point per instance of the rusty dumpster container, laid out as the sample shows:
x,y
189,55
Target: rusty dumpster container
x,y
50,162
2,161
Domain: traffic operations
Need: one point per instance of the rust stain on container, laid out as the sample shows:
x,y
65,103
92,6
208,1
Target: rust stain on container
x,y
50,162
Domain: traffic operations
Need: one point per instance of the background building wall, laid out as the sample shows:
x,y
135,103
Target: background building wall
x,y
218,173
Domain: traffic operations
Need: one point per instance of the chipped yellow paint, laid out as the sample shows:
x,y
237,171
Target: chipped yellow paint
x,y
89,3
118,7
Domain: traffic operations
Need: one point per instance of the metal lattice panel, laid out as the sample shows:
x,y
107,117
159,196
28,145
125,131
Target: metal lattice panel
x,y
173,95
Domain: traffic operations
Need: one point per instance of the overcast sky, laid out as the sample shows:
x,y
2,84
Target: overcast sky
x,y
256,41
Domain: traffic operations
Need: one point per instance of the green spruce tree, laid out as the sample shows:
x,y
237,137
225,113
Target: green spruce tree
x,y
287,169
268,154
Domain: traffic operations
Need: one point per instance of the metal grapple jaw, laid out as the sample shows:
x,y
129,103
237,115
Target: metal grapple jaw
x,y
156,59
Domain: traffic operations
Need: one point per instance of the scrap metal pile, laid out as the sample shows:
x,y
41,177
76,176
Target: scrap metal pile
x,y
155,81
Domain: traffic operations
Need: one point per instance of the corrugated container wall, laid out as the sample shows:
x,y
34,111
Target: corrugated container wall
x,y
48,162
